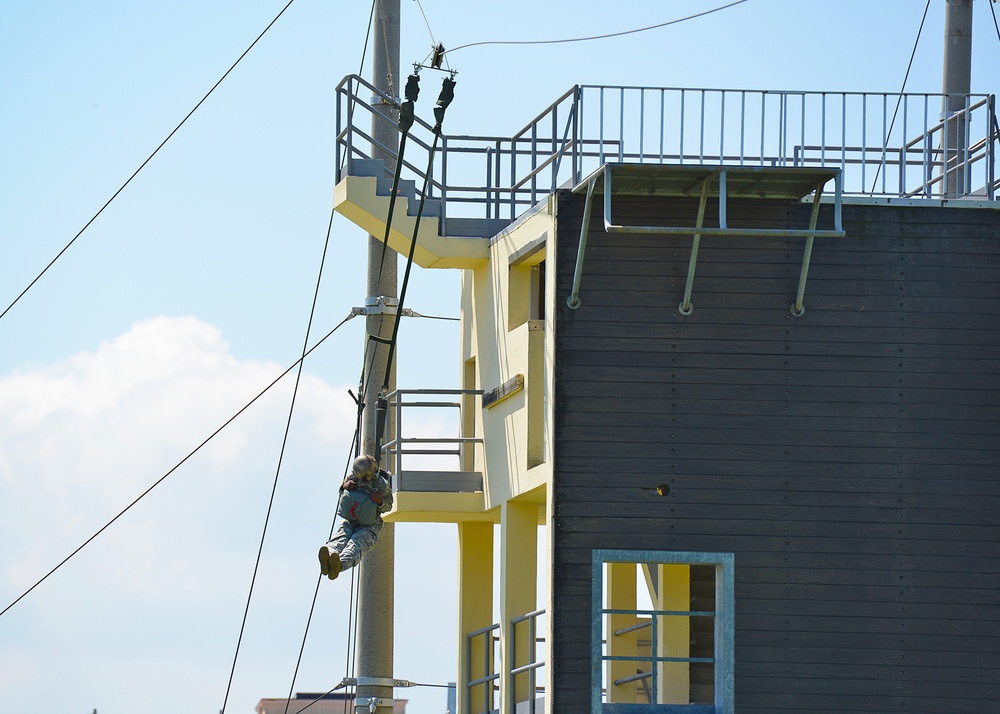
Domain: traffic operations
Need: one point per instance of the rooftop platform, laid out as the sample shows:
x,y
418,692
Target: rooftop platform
x,y
886,147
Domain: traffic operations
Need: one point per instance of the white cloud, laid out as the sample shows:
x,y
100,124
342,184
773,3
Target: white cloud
x,y
160,594
83,437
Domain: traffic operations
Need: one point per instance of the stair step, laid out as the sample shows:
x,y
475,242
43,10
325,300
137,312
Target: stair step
x,y
459,226
476,227
367,167
376,168
432,208
406,188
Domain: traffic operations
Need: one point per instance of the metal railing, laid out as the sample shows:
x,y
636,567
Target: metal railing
x,y
490,641
653,658
887,145
489,675
396,445
533,664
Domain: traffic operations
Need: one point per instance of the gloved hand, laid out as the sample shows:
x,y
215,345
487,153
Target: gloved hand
x,y
350,484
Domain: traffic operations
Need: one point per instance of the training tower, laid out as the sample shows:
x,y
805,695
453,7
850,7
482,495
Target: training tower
x,y
735,357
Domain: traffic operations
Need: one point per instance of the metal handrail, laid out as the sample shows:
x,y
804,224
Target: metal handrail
x,y
489,642
533,665
653,659
940,126
881,141
396,445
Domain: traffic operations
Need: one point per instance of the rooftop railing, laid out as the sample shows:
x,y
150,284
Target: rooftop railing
x,y
886,145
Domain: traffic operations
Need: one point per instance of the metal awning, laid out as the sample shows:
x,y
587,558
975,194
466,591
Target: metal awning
x,y
722,182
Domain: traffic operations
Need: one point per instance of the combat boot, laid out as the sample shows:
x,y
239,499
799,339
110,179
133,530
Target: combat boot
x,y
329,562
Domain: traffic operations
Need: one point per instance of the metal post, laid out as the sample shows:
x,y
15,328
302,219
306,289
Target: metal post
x,y
511,677
686,308
798,309
956,86
992,122
573,301
376,592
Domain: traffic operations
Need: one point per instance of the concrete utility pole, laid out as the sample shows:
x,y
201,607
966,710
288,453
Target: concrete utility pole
x,y
956,85
375,619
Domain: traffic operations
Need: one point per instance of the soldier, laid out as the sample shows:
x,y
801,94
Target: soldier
x,y
364,496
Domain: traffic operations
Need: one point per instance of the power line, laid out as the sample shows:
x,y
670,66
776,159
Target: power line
x,y
434,317
427,22
305,635
596,37
899,99
148,159
312,606
281,456
995,24
368,34
177,466
435,47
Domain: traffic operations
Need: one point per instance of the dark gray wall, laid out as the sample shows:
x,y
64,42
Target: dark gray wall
x,y
849,458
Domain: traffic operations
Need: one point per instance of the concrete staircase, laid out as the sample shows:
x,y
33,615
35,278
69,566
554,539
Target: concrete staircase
x,y
363,196
406,189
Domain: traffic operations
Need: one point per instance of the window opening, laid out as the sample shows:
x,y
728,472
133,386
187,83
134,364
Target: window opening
x,y
537,303
663,626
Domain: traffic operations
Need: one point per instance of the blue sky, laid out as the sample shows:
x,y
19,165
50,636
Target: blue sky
x,y
191,292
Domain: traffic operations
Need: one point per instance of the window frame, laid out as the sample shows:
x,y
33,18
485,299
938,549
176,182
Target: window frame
x,y
724,653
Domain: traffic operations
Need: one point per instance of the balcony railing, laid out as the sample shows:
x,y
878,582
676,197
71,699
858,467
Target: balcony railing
x,y
489,642
485,642
886,145
530,668
425,442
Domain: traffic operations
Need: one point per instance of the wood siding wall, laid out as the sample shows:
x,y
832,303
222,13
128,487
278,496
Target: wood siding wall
x,y
849,458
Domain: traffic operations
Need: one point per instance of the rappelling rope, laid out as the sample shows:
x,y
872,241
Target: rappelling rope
x,y
406,115
406,121
445,98
367,362
406,118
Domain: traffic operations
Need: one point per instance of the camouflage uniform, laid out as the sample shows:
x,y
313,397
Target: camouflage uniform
x,y
352,540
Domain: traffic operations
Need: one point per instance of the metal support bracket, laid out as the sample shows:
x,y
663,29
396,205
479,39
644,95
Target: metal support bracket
x,y
375,682
382,305
686,308
786,183
379,100
573,301
798,309
372,704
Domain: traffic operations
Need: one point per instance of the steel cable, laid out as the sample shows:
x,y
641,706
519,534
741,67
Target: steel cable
x,y
175,467
596,37
899,99
281,455
144,163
